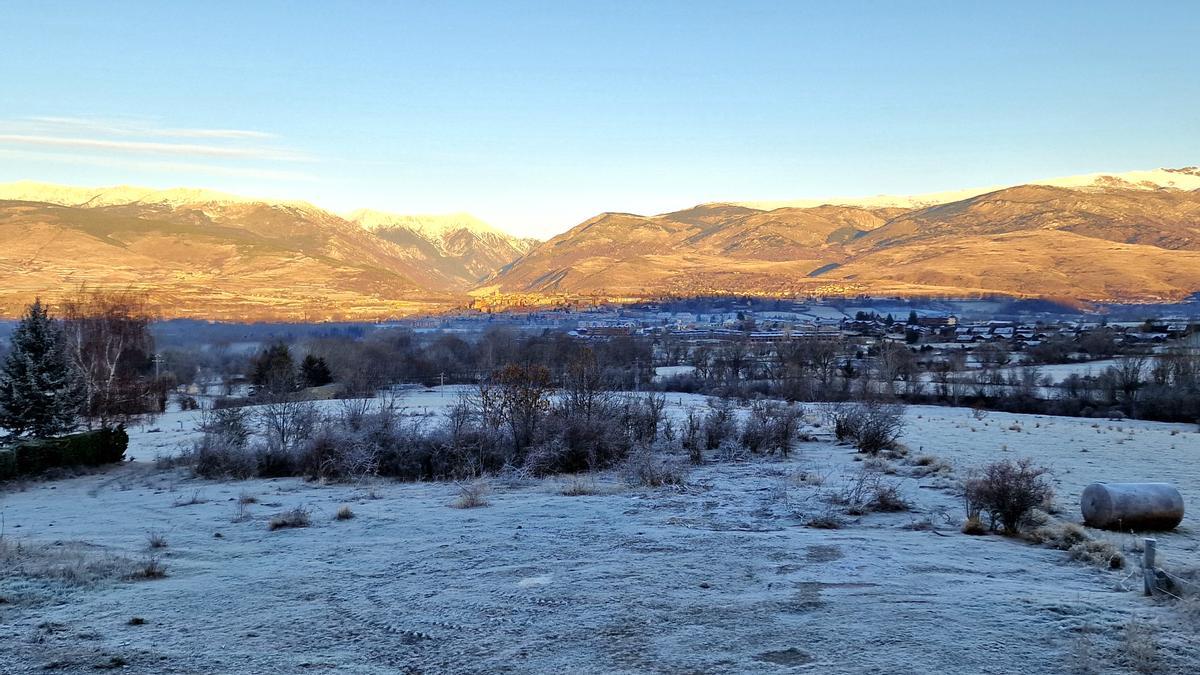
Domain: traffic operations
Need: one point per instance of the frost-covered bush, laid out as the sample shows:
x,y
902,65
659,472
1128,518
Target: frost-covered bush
x,y
877,426
771,427
1008,492
648,467
720,424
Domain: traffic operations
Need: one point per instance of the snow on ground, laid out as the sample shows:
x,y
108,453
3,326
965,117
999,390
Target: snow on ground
x,y
1078,451
722,576
1057,372
664,372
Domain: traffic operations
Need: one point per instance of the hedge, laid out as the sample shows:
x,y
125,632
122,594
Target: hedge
x,y
90,448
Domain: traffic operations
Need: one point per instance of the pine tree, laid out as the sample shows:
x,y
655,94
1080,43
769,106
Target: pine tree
x,y
315,371
274,371
39,392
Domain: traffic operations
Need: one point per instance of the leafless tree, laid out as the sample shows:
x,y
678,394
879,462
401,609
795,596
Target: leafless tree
x,y
109,341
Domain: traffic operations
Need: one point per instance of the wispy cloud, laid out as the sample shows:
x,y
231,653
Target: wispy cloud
x,y
176,167
153,147
138,127
146,145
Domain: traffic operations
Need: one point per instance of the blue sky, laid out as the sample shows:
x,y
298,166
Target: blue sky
x,y
537,115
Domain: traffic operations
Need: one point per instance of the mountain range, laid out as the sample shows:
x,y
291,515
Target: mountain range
x,y
1128,237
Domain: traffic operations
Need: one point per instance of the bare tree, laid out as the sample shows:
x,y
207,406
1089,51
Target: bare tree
x,y
1129,374
523,400
108,339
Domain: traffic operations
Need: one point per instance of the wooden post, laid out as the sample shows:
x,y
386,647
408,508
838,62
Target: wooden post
x,y
1148,565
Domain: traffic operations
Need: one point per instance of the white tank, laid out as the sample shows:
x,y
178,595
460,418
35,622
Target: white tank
x,y
1132,506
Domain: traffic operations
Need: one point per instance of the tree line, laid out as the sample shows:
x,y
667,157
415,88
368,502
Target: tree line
x,y
91,363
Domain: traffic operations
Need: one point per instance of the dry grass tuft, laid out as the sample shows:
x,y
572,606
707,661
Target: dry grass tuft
x,y
472,495
974,526
247,498
826,521
241,513
644,468
344,513
1139,648
292,518
155,539
196,498
71,564
151,567
580,487
1077,542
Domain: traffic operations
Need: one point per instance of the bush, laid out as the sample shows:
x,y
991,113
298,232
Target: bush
x,y
1008,492
472,495
213,456
297,517
878,426
91,448
843,418
719,424
231,425
771,427
645,468
974,526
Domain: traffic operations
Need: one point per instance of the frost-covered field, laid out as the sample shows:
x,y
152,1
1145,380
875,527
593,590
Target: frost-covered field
x,y
722,576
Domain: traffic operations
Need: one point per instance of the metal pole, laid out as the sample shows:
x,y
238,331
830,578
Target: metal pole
x,y
1148,566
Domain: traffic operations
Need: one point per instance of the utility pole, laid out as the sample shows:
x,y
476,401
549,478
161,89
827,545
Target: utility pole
x,y
443,385
158,361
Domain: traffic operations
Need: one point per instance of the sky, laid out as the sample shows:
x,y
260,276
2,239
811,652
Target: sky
x,y
538,115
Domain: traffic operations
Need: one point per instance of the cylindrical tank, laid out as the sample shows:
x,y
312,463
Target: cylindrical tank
x,y
1132,506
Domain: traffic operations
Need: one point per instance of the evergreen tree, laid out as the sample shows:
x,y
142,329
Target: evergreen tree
x,y
315,371
912,318
39,392
274,371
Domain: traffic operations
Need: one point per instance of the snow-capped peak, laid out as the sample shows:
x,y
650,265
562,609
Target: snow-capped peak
x,y
1186,178
429,225
66,195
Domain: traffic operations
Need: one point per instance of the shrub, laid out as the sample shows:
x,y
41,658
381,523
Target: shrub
x,y
91,448
472,495
297,517
645,468
866,491
843,418
580,487
1076,541
878,426
1098,552
693,440
886,497
217,456
151,567
229,424
156,540
344,513
719,424
1008,491
771,427
974,525
826,521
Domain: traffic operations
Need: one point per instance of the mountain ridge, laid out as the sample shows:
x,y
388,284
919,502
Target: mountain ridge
x,y
1129,237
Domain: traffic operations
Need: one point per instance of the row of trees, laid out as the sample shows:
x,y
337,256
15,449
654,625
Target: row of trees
x,y
94,365
1164,386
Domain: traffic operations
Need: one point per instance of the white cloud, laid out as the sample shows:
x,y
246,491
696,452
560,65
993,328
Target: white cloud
x,y
158,166
147,146
137,127
153,147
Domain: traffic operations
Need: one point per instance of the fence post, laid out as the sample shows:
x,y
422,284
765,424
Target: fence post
x,y
1148,566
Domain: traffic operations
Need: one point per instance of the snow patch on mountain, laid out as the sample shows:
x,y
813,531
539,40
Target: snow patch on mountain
x,y
1186,178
